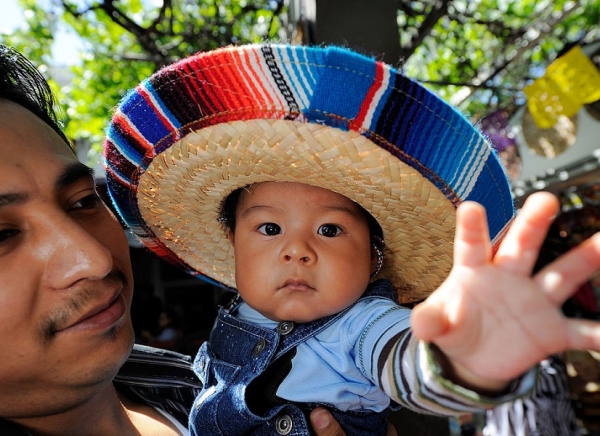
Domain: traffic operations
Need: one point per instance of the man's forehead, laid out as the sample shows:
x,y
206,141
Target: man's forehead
x,y
16,190
32,153
23,134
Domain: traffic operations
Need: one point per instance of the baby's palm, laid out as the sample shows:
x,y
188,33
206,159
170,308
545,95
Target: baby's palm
x,y
491,318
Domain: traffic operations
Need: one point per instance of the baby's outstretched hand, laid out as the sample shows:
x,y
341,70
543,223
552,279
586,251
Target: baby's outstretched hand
x,y
491,318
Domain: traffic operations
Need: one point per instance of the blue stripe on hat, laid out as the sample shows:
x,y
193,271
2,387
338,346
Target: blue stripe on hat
x,y
119,195
296,69
492,191
379,109
347,76
126,148
309,58
146,116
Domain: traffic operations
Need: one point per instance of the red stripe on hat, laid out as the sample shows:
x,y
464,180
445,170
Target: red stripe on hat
x,y
271,98
190,81
367,102
226,74
205,85
253,94
211,104
222,79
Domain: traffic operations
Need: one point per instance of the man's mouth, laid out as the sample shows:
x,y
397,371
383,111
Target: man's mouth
x,y
88,311
99,317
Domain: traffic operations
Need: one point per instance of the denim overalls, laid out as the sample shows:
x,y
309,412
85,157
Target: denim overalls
x,y
242,367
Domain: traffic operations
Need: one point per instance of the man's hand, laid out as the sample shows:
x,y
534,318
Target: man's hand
x,y
324,424
491,318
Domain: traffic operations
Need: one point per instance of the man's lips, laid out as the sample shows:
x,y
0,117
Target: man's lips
x,y
100,316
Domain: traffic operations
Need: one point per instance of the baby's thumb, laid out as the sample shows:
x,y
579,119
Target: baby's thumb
x,y
428,321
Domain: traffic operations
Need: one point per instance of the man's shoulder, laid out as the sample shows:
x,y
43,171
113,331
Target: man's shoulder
x,y
155,367
146,353
160,378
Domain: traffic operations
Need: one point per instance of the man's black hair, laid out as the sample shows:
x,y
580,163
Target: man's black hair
x,y
22,83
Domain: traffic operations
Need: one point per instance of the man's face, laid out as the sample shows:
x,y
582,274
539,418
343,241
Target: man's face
x,y
65,274
301,252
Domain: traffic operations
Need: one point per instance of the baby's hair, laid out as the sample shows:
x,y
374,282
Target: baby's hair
x,y
229,206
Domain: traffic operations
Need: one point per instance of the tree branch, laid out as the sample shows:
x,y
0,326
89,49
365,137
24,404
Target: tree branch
x,y
438,10
543,27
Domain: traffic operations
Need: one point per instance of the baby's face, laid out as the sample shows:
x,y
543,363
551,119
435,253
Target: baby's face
x,y
301,252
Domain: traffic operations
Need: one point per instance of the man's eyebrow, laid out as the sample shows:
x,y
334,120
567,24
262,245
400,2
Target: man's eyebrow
x,y
73,173
8,199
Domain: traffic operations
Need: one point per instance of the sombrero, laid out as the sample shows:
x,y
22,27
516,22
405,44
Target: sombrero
x,y
196,130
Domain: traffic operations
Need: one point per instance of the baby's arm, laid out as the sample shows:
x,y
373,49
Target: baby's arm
x,y
491,319
405,369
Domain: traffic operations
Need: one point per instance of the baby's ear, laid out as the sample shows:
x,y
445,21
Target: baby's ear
x,y
374,259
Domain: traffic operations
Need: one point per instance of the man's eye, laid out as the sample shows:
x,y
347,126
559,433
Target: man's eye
x,y
269,229
89,202
329,230
6,234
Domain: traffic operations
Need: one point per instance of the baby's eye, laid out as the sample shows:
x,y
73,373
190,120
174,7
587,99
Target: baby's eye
x,y
329,230
269,229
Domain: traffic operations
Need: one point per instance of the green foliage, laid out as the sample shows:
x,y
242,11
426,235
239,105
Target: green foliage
x,y
126,41
36,40
494,48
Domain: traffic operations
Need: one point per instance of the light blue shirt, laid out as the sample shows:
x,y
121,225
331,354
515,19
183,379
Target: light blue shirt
x,y
339,364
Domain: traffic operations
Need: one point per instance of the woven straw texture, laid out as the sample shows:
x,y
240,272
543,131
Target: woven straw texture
x,y
196,130
410,210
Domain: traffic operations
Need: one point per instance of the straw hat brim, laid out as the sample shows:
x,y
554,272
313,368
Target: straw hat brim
x,y
180,194
191,133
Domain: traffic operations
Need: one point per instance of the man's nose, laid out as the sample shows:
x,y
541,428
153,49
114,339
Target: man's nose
x,y
74,253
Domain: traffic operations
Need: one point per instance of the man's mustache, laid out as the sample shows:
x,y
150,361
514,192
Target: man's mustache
x,y
59,318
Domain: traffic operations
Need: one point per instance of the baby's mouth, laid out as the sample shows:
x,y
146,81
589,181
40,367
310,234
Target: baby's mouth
x,y
296,285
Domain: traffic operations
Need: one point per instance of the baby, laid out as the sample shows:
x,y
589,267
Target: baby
x,y
304,259
345,190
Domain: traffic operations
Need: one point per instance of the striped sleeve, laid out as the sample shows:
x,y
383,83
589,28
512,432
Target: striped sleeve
x,y
548,411
407,371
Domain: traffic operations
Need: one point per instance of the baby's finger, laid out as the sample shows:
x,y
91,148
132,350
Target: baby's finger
x,y
519,250
472,242
428,321
562,277
582,335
